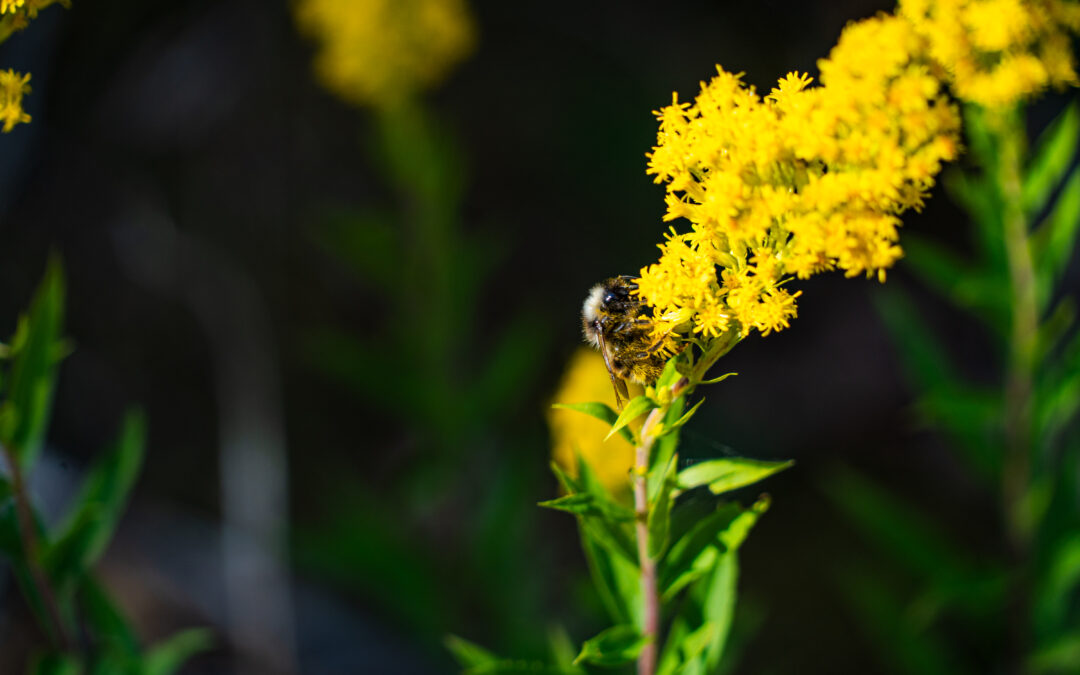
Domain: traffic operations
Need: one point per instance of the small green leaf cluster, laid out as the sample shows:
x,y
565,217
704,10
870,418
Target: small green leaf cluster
x,y
679,543
1019,436
87,633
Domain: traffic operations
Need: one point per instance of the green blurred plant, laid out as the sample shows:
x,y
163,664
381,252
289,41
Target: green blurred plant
x,y
454,380
86,632
1019,438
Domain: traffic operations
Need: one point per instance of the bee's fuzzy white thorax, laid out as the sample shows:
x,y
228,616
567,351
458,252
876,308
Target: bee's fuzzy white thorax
x,y
590,311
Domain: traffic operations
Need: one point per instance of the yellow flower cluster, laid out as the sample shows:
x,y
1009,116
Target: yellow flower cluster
x,y
378,52
574,434
12,88
803,180
17,13
998,52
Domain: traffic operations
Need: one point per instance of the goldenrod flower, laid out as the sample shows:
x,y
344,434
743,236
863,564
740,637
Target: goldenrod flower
x,y
12,88
998,52
574,434
377,52
10,6
803,180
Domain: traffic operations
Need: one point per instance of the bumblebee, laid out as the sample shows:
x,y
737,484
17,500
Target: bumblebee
x,y
620,325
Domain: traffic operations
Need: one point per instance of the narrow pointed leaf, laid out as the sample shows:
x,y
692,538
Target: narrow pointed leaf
x,y
729,473
601,411
83,537
613,647
637,407
166,658
37,351
1053,154
468,654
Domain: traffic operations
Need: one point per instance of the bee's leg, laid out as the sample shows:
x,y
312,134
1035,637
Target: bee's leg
x,y
621,394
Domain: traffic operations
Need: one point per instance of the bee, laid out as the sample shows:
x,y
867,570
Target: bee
x,y
620,325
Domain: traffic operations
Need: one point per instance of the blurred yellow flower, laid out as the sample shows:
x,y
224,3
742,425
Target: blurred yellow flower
x,y
999,52
803,180
574,434
378,52
12,88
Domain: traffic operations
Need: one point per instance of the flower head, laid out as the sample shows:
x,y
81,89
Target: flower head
x,y
998,52
376,52
12,88
806,179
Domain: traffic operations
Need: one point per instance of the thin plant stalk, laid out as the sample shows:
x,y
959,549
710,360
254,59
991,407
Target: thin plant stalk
x,y
650,595
1024,329
31,548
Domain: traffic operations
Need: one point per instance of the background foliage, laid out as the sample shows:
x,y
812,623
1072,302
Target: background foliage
x,y
155,129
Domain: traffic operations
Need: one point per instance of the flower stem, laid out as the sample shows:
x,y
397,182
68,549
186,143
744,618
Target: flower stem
x,y
1025,325
30,547
650,596
1016,467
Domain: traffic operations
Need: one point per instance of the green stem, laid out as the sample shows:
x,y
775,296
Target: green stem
x,y
650,595
31,548
1019,379
1024,333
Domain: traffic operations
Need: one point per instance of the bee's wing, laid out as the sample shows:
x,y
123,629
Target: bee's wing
x,y
621,394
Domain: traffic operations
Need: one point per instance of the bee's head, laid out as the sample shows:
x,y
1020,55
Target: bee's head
x,y
592,313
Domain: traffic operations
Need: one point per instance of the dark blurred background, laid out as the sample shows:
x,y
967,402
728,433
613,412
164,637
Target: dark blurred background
x,y
185,164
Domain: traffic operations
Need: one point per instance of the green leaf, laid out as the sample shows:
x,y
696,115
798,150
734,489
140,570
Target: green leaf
x,y
616,579
670,374
716,380
1054,243
924,358
1056,586
468,654
684,419
81,540
601,411
1052,156
1059,657
605,530
562,650
718,605
568,484
369,242
659,524
692,555
902,532
980,197
727,474
55,664
37,350
589,505
637,407
166,657
613,647
663,455
968,286
105,620
883,617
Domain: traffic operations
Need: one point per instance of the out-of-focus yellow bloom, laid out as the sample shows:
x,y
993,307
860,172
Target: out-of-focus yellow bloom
x,y
10,6
803,180
377,52
574,434
12,88
998,52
